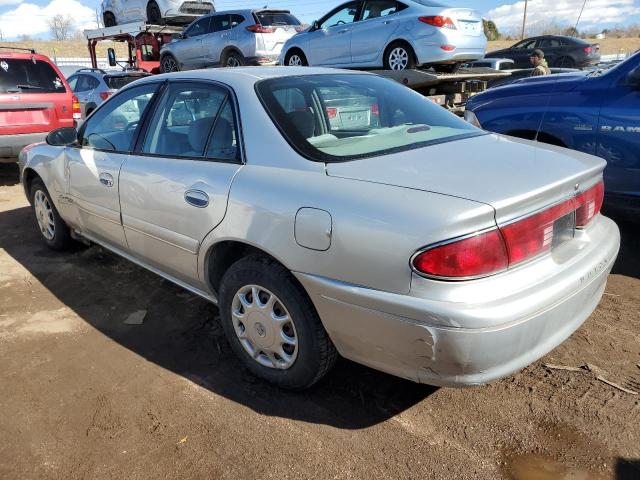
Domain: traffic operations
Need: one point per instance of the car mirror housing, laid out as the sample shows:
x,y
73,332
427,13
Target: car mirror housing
x,y
315,25
62,137
111,55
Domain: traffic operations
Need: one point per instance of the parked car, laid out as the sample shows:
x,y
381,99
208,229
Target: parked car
x,y
390,34
595,113
559,51
494,63
231,39
93,85
34,99
157,12
392,245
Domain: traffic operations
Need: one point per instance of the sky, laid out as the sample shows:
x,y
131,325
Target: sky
x,y
29,17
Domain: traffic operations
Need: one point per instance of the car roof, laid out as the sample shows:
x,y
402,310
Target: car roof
x,y
24,56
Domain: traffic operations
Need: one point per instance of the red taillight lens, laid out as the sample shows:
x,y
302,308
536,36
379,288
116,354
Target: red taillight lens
x,y
260,29
76,109
332,112
438,21
448,48
105,95
588,49
375,110
590,204
472,257
509,245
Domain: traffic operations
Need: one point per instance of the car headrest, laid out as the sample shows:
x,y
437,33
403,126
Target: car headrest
x,y
305,122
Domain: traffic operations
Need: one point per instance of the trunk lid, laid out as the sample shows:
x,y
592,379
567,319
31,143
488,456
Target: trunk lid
x,y
467,21
284,26
515,177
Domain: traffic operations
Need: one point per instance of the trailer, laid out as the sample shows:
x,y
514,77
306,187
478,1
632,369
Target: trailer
x,y
143,40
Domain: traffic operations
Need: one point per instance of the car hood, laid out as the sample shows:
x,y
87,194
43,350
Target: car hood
x,y
512,175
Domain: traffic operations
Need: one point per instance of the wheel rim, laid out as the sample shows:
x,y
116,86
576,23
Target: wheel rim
x,y
264,327
295,61
170,65
398,59
44,215
233,62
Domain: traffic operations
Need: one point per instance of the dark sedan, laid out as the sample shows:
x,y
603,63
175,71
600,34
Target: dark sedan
x,y
559,51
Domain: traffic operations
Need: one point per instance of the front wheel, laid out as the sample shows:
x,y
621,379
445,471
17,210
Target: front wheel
x,y
399,56
169,64
54,231
154,16
272,326
296,59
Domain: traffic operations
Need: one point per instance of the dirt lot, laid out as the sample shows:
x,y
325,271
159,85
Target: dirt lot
x,y
86,396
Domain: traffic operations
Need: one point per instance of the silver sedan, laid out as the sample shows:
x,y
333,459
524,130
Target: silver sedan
x,y
335,212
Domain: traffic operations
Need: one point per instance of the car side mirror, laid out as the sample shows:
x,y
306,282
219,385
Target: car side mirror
x,y
633,77
315,25
111,55
62,137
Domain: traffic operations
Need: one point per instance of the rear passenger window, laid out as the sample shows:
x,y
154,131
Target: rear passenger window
x,y
378,8
220,23
236,20
191,119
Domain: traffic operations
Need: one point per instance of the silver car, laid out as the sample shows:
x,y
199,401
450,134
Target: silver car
x,y
418,245
231,39
157,12
394,35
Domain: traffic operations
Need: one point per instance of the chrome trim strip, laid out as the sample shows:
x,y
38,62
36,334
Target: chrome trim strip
x,y
129,227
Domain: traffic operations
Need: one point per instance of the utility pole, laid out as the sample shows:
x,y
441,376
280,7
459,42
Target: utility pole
x,y
579,17
524,20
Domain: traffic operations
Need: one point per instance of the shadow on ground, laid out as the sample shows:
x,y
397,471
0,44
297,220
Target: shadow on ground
x,y
9,174
627,469
181,333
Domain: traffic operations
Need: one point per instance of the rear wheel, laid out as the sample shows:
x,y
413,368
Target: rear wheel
x,y
169,64
399,56
272,326
232,60
295,58
54,231
109,19
154,16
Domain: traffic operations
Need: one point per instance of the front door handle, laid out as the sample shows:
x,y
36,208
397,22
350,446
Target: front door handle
x,y
342,32
196,198
106,179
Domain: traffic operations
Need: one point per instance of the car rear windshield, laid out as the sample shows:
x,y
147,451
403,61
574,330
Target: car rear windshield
x,y
32,76
339,117
117,82
274,19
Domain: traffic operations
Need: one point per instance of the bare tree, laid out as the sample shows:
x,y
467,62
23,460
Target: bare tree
x,y
61,27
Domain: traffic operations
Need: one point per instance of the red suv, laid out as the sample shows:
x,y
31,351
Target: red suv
x,y
34,99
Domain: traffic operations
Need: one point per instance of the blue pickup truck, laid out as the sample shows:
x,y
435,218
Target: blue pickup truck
x,y
597,113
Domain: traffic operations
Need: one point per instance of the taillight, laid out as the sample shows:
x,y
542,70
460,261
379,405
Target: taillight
x,y
448,48
332,112
105,95
490,252
438,21
257,28
588,49
75,108
471,257
375,110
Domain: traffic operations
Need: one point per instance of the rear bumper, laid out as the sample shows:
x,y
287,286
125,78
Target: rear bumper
x,y
462,343
467,48
10,145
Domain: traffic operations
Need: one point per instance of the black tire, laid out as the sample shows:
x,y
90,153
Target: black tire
x,y
169,64
315,353
291,55
565,62
232,60
393,55
447,68
61,239
109,19
154,15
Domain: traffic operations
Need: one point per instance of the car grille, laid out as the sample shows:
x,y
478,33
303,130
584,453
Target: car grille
x,y
196,8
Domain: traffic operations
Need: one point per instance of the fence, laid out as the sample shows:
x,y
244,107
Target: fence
x,y
84,62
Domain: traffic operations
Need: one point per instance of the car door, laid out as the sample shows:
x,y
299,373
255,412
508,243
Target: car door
x,y
216,39
552,48
174,190
520,53
189,50
618,137
92,203
330,44
370,35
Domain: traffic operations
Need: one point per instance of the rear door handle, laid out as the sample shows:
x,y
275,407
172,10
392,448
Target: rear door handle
x,y
106,179
343,31
196,198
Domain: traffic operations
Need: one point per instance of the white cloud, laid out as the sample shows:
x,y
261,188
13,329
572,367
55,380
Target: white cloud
x,y
563,12
9,2
30,19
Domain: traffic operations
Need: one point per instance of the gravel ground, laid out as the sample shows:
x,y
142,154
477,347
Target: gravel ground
x,y
85,395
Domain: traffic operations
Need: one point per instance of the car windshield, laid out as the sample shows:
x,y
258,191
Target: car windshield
x,y
119,81
32,76
274,19
338,117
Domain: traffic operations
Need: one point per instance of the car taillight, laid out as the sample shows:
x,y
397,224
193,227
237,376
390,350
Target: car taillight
x,y
105,95
332,112
75,108
438,21
588,49
375,110
491,252
448,48
257,28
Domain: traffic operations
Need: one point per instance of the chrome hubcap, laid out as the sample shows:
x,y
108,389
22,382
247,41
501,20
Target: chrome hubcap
x,y
44,215
398,59
264,327
233,62
295,61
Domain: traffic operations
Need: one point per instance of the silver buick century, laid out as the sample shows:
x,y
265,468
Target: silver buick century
x,y
331,212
